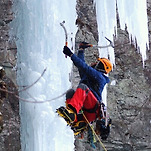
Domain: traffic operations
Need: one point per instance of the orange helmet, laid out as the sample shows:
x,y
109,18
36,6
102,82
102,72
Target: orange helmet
x,y
107,64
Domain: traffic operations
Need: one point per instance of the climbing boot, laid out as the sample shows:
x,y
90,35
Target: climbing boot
x,y
79,127
67,114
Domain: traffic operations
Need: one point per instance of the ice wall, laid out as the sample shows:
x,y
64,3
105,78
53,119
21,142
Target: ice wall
x,y
40,40
133,13
106,19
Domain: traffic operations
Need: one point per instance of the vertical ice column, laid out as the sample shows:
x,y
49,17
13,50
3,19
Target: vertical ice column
x,y
40,40
134,15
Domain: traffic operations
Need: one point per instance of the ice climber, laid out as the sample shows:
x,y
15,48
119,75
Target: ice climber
x,y
84,104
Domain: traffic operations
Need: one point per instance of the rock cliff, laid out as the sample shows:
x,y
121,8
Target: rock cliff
x,y
9,137
129,99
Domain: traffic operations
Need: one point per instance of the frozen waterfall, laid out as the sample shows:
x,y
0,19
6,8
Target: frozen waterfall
x,y
40,40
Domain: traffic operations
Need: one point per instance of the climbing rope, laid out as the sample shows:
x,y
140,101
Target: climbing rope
x,y
94,132
31,101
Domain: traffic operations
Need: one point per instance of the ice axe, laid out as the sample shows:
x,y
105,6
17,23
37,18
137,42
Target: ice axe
x,y
110,45
66,35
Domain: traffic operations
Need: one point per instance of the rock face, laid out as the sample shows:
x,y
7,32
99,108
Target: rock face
x,y
129,99
9,137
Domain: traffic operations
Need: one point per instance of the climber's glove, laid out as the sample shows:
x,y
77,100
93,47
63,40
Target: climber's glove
x,y
67,51
84,45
